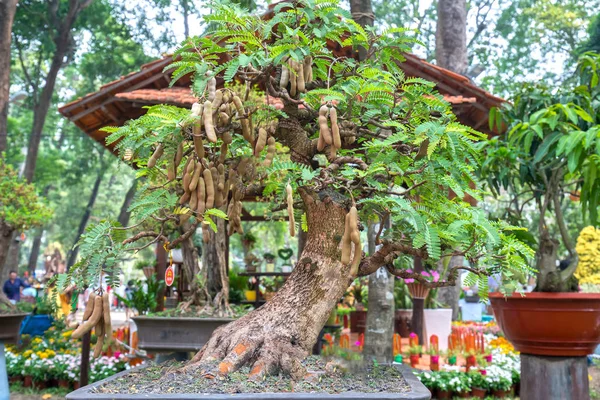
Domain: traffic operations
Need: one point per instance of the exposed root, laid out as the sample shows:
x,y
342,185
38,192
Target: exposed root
x,y
244,342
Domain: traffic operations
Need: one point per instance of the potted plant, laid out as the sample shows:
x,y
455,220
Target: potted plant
x,y
549,150
269,262
479,384
270,286
414,352
250,292
499,380
359,290
336,196
434,358
403,308
442,385
286,254
460,384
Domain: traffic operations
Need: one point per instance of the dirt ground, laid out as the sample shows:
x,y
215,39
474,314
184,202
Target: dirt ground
x,y
19,396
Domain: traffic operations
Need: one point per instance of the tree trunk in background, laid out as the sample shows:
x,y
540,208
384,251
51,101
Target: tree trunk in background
x,y
6,234
213,258
7,15
86,216
62,41
37,241
451,53
451,35
190,267
301,242
380,315
362,13
124,213
450,295
186,13
418,306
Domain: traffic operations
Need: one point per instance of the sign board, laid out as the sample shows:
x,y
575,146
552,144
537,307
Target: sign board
x,y
169,275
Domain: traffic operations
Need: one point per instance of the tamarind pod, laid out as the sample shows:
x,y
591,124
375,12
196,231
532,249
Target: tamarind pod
x,y
171,173
209,126
210,188
346,242
194,200
195,177
179,154
197,138
185,197
271,150
92,321
221,171
73,325
307,66
223,152
238,221
356,260
187,178
212,88
218,100
156,155
231,210
226,96
99,341
238,195
201,196
293,78
324,129
89,307
290,208
227,139
241,167
223,119
335,129
106,317
260,142
128,155
205,233
320,142
197,109
285,77
324,110
332,153
301,82
246,132
217,193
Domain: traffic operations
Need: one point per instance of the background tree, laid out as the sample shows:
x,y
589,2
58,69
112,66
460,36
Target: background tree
x,y
7,14
549,153
384,118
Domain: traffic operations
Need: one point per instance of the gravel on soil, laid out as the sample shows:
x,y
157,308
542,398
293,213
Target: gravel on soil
x,y
168,378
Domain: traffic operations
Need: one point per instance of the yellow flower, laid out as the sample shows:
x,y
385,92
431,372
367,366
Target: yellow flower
x,y
27,353
67,334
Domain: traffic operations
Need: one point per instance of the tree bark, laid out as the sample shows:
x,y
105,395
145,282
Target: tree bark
x,y
451,35
124,214
62,42
7,15
277,335
380,315
450,295
213,259
6,234
35,251
362,13
418,307
86,216
554,378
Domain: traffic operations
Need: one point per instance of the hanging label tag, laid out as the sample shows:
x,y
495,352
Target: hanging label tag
x,y
169,275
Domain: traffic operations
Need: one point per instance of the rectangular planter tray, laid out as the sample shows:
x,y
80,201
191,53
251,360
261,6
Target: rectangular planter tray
x,y
175,334
418,392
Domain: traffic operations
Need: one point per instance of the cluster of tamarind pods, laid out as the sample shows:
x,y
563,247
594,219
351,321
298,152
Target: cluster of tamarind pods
x,y
96,315
296,74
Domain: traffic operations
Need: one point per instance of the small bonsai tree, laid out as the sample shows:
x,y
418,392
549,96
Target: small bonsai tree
x,y
348,140
550,151
20,209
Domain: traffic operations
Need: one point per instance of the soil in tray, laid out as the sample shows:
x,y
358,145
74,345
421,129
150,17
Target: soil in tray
x,y
197,312
167,378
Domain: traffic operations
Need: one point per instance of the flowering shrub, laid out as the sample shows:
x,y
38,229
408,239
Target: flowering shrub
x,y
432,276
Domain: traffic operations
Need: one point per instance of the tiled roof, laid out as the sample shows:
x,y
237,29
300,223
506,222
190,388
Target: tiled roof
x,y
180,96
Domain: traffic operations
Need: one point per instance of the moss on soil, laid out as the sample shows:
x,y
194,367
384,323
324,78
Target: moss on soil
x,y
168,378
195,312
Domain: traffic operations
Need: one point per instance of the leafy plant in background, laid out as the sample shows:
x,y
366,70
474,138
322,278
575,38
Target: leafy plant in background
x,y
551,151
402,299
145,301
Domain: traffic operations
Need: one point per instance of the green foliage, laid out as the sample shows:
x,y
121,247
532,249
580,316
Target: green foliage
x,y
145,301
408,158
20,207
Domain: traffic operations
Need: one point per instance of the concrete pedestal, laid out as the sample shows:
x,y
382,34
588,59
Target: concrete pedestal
x,y
554,378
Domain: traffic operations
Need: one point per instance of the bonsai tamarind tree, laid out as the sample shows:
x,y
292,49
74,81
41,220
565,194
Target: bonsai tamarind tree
x,y
354,140
551,152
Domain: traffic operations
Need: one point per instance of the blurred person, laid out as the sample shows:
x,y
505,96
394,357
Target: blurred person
x,y
13,287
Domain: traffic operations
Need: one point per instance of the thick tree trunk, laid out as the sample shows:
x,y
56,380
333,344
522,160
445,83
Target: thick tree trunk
x,y
86,216
7,14
549,277
191,269
362,13
451,35
450,295
6,234
380,315
124,213
284,330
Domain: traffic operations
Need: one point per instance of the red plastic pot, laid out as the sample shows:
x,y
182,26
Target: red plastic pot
x,y
478,393
414,360
40,385
63,383
443,394
550,324
500,393
27,381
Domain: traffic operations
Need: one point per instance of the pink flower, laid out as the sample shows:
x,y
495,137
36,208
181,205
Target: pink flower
x,y
425,273
412,335
357,343
117,354
436,276
483,371
409,280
